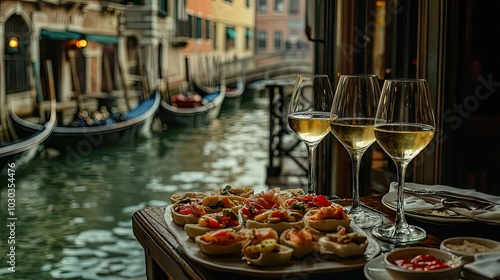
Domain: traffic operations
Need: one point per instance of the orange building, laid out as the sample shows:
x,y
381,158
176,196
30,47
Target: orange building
x,y
199,16
280,26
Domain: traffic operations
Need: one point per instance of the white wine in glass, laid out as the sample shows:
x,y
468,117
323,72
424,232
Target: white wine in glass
x,y
352,119
403,127
309,116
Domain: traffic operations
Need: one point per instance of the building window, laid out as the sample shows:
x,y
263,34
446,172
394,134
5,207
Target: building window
x,y
214,41
162,8
198,28
207,29
181,10
248,38
294,7
230,37
191,27
17,63
247,3
278,38
262,6
279,6
262,40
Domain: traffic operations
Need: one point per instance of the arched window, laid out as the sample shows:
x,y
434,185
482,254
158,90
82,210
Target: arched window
x,y
17,57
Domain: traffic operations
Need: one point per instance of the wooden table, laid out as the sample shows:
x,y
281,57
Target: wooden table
x,y
164,259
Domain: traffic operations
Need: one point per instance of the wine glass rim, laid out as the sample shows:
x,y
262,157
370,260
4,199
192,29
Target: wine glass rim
x,y
312,75
406,80
359,75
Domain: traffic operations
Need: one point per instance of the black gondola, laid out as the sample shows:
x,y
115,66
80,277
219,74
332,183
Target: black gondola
x,y
22,151
202,114
83,139
234,93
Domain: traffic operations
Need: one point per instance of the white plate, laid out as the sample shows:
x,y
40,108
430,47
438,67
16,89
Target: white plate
x,y
389,200
375,269
309,264
460,241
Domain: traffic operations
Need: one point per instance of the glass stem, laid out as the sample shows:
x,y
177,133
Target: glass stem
x,y
400,222
311,186
356,163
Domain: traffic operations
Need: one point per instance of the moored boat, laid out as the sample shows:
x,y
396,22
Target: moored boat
x,y
81,138
234,93
192,114
20,152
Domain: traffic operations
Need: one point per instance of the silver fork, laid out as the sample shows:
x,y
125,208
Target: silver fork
x,y
452,199
446,202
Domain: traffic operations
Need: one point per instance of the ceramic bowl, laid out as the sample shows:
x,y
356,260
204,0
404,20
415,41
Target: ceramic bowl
x,y
399,273
469,245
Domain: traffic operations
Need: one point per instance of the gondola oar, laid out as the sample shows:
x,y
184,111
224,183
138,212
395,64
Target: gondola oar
x,y
124,84
76,81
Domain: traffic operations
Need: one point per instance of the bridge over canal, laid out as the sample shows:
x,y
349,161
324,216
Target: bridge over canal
x,y
287,157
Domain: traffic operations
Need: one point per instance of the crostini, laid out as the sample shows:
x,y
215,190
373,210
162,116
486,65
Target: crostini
x,y
175,198
327,219
220,242
187,213
277,219
307,202
344,244
262,248
214,221
215,203
290,193
302,241
228,190
257,203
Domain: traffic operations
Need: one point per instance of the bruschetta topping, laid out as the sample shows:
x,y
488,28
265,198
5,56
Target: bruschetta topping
x,y
192,208
304,236
178,197
342,237
224,219
260,202
266,245
228,190
256,235
330,212
216,202
221,237
278,215
307,202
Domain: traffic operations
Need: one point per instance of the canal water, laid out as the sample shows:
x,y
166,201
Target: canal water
x,y
74,213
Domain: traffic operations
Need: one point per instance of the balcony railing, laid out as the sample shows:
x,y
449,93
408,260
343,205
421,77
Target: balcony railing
x,y
182,32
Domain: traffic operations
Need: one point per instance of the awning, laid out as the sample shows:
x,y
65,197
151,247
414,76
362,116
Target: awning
x,y
249,33
102,39
71,35
60,35
231,33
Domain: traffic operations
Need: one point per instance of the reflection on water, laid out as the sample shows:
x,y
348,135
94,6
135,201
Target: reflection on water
x,y
74,214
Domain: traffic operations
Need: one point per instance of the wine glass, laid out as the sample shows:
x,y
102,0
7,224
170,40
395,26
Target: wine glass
x,y
309,116
404,125
352,119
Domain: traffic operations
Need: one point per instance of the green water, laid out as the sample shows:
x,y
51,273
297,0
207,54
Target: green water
x,y
74,214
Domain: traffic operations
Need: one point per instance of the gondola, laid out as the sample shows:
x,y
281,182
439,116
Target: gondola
x,y
234,93
19,153
81,140
197,115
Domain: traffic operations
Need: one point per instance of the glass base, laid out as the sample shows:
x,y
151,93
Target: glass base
x,y
364,219
402,235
